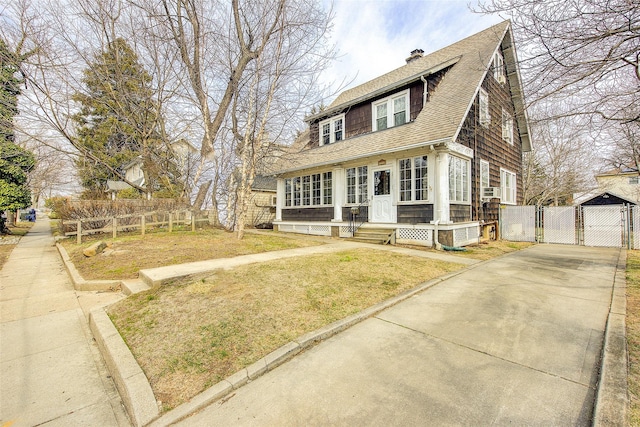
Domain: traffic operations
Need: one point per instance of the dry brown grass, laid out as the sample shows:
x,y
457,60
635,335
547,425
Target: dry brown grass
x,y
484,250
633,333
189,336
130,254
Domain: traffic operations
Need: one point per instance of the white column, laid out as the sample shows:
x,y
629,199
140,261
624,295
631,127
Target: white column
x,y
279,198
338,193
441,205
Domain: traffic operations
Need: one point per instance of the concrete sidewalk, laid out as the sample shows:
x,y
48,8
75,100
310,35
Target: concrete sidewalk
x,y
513,341
51,372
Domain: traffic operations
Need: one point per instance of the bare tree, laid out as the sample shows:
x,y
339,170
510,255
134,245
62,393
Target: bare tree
x,y
561,163
583,55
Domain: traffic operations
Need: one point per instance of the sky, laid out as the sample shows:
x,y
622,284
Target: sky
x,y
376,36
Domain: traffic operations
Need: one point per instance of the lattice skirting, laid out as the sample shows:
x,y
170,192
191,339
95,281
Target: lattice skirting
x,y
414,236
345,231
317,230
465,236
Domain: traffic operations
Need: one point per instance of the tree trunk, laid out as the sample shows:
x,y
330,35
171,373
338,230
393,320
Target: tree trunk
x,y
202,194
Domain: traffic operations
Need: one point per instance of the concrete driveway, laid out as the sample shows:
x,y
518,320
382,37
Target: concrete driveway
x,y
513,341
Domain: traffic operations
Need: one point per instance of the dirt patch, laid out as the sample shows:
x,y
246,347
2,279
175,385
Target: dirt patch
x,y
129,254
188,336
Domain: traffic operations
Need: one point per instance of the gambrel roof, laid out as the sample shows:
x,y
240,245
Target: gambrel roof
x,y
441,118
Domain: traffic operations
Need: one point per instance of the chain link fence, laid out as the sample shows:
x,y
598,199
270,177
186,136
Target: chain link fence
x,y
609,226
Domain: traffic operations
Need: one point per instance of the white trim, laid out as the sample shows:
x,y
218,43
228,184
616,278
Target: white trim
x,y
389,102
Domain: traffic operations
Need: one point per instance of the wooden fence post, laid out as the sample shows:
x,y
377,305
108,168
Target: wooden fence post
x,y
79,230
170,222
193,220
114,225
143,219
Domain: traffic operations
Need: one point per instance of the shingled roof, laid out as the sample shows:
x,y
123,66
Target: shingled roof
x,y
441,118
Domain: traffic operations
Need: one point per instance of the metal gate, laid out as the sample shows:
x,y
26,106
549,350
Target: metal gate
x,y
610,225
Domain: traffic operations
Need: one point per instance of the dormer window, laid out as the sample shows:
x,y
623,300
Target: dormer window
x,y
332,130
391,111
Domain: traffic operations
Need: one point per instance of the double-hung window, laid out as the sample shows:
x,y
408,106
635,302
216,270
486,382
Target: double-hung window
x,y
414,179
484,174
459,180
507,127
332,130
498,68
508,187
357,191
309,190
391,111
485,118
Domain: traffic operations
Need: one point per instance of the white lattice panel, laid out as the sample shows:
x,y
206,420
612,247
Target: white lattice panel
x,y
320,230
559,225
602,225
415,235
463,236
345,231
286,228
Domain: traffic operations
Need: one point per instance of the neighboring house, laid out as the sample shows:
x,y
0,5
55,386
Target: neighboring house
x,y
262,206
620,186
436,143
134,173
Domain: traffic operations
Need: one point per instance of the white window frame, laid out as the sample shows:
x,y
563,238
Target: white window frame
x,y
390,104
498,68
410,188
306,194
483,101
507,127
485,176
360,185
332,129
459,180
508,187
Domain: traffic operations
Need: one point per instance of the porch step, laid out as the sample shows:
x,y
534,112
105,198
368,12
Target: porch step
x,y
379,236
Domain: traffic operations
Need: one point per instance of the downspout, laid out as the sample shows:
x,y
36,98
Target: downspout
x,y
435,235
425,91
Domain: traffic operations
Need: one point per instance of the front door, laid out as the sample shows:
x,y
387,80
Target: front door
x,y
382,205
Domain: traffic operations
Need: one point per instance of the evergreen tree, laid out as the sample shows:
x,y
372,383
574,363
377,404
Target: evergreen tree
x,y
15,162
119,121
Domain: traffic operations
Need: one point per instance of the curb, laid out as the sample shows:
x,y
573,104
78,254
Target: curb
x,y
132,384
79,283
612,399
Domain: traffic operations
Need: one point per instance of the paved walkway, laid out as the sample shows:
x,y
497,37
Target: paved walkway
x,y
51,372
514,341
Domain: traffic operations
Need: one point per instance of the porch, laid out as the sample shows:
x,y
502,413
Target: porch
x,y
453,234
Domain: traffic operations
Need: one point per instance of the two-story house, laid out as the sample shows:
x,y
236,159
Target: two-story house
x,y
433,145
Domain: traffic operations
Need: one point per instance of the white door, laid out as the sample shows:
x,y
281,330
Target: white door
x,y
382,203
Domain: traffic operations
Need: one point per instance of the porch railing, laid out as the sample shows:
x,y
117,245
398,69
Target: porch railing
x,y
357,217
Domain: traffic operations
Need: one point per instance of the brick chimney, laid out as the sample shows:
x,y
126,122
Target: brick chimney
x,y
415,54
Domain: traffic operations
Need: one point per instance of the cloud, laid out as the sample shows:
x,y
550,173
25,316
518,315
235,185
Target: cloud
x,y
375,36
